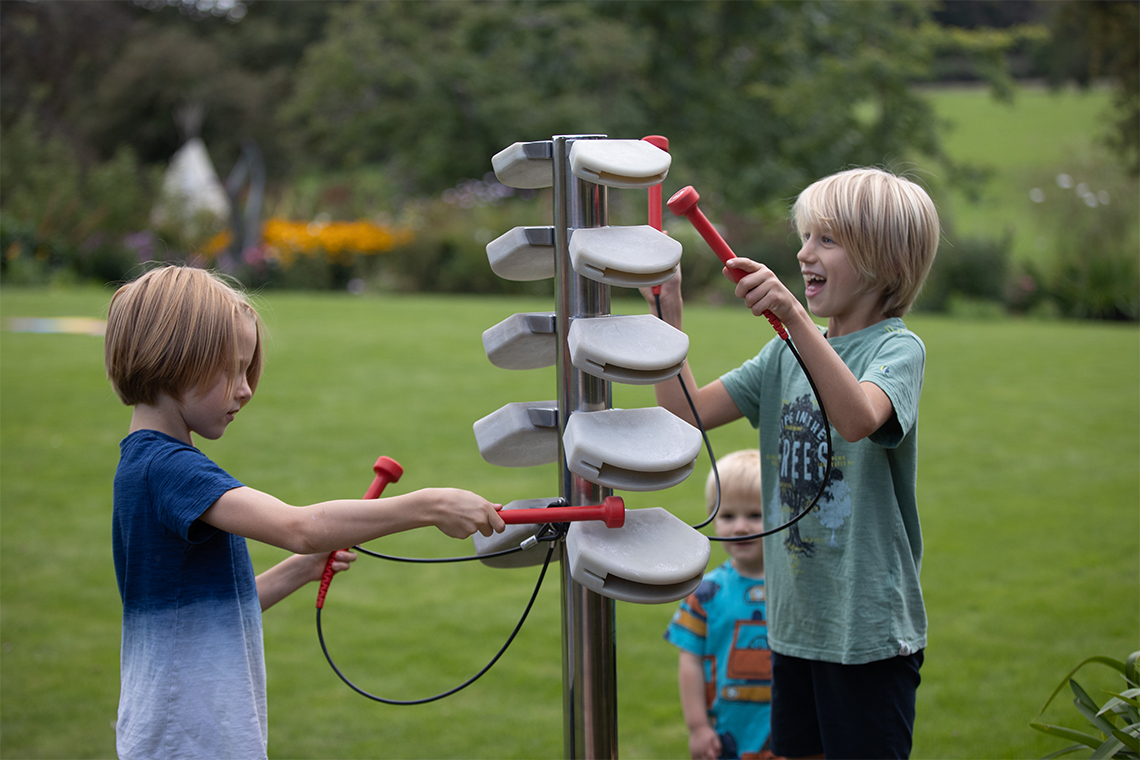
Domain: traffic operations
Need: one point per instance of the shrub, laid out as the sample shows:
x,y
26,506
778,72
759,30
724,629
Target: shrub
x,y
969,269
1088,221
60,215
449,252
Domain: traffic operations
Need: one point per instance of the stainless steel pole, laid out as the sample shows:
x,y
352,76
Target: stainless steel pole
x,y
589,652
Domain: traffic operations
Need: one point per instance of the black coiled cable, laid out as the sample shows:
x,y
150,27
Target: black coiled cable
x,y
712,459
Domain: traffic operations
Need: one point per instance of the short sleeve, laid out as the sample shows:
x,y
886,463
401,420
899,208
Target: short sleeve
x,y
897,369
744,384
182,484
688,628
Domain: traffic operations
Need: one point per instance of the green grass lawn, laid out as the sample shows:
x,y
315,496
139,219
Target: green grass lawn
x,y
1025,144
1029,494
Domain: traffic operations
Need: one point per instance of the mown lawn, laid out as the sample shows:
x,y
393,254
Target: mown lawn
x,y
1029,493
1023,144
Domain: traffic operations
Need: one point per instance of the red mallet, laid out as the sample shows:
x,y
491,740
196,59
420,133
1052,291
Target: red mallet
x,y
387,471
611,511
655,192
684,203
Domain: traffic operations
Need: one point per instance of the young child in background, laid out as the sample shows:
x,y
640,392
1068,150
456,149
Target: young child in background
x,y
846,622
184,349
725,666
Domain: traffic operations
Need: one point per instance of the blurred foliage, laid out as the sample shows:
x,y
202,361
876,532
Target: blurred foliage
x,y
1089,225
967,270
765,96
436,89
1100,41
60,216
388,114
1088,234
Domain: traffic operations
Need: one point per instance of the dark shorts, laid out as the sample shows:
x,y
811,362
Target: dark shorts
x,y
844,711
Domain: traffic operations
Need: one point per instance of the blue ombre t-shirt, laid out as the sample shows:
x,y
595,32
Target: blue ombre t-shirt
x,y
192,659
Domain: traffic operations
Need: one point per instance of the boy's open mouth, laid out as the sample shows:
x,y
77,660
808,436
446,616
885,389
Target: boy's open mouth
x,y
814,284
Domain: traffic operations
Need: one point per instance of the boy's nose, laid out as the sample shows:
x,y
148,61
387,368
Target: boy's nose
x,y
244,392
740,527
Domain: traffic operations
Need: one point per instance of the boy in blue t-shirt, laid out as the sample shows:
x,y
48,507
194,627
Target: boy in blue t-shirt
x,y
846,619
725,667
184,349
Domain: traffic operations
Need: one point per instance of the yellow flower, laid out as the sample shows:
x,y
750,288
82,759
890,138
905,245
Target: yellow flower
x,y
338,241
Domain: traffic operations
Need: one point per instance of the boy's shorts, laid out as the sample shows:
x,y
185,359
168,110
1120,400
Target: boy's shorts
x,y
844,711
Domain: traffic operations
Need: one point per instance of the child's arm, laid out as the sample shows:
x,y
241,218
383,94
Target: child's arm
x,y
704,744
332,525
293,572
713,403
854,409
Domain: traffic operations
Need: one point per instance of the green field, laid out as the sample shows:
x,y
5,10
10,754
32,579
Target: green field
x,y
1030,443
1023,144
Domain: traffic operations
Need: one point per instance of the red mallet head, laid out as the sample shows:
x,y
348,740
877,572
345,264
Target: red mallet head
x,y
387,471
684,203
683,200
389,467
613,511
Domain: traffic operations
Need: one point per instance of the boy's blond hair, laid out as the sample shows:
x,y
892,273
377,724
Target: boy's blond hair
x,y
739,479
174,329
887,224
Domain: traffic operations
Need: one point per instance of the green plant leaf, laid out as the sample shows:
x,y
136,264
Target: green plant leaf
x,y
1125,707
1100,723
1129,736
1110,662
1109,749
1082,695
1132,668
1063,752
1131,696
1087,707
1088,740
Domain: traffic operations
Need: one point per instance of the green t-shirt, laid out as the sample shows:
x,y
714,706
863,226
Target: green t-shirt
x,y
843,582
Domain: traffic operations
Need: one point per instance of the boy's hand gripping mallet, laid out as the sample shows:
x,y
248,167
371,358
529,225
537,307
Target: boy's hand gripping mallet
x,y
611,511
684,203
387,471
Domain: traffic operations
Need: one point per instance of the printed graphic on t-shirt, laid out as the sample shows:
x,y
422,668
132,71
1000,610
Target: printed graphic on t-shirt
x,y
750,658
803,460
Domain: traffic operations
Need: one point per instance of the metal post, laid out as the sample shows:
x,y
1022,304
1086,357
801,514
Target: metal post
x,y
589,653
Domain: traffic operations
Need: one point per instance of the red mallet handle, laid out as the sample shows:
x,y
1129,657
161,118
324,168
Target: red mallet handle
x,y
387,471
684,203
655,192
611,511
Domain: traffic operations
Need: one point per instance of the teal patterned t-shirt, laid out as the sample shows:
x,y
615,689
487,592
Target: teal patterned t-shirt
x,y
844,581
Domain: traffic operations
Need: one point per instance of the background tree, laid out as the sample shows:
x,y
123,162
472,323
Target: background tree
x,y
1100,41
767,96
435,89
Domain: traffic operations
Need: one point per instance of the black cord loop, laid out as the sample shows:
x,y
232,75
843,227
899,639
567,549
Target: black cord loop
x,y
712,459
553,532
469,681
